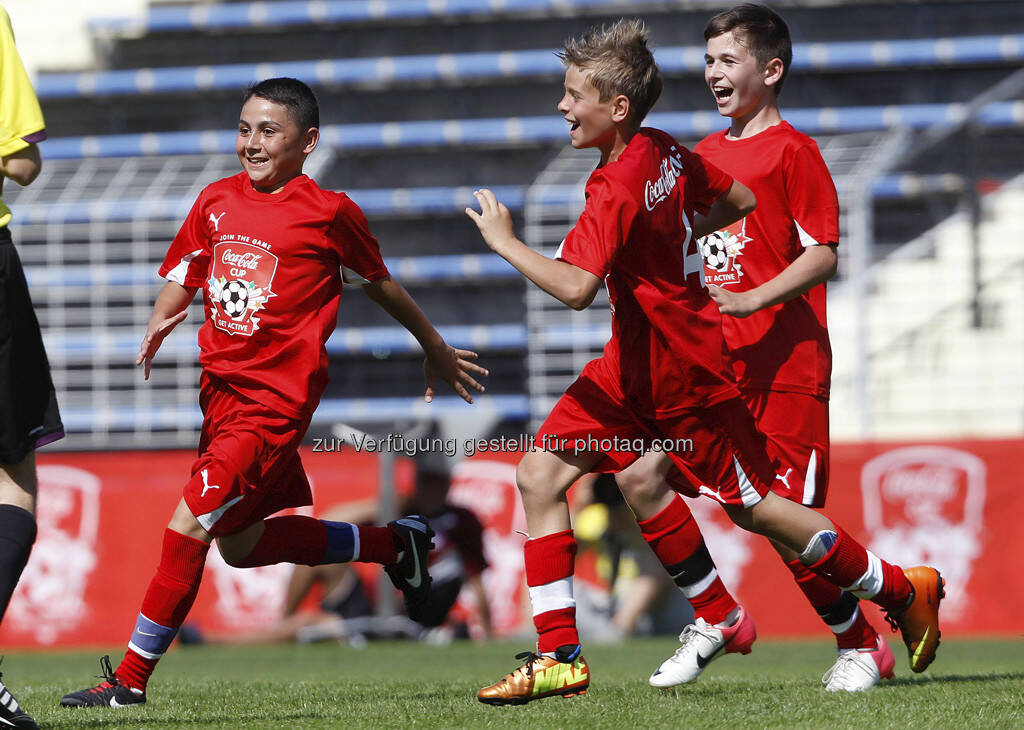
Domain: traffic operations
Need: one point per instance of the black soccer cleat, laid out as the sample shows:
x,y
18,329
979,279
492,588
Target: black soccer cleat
x,y
413,540
108,693
11,714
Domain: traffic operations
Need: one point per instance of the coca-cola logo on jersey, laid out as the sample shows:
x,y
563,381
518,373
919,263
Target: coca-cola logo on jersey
x,y
658,189
240,284
247,260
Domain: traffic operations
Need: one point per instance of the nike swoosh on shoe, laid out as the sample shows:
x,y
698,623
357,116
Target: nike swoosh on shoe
x,y
417,576
703,661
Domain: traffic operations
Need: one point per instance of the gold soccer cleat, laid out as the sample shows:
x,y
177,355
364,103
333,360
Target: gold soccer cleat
x,y
539,677
919,621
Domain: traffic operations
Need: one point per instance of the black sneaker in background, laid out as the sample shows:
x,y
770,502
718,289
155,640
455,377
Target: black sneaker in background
x,y
413,540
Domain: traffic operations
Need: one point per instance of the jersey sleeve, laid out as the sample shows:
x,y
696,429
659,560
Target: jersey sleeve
x,y
813,201
21,119
705,183
188,259
602,228
358,251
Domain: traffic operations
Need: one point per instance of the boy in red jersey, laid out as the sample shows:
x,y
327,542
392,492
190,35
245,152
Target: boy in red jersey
x,y
767,272
664,379
270,249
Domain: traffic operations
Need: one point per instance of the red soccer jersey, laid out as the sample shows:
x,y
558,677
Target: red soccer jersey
x,y
666,348
270,266
784,347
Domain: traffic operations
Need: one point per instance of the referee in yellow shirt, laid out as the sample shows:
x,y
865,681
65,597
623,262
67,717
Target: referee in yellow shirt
x,y
29,416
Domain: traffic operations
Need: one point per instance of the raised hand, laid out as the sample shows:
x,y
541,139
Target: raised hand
x,y
493,220
453,366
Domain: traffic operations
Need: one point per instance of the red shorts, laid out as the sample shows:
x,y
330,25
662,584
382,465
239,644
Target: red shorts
x,y
248,465
796,426
716,449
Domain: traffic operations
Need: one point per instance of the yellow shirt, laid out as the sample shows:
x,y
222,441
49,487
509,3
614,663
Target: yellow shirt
x,y
20,115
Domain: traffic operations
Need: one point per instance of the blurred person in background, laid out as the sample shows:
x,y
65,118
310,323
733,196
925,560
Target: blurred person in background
x,y
29,417
638,601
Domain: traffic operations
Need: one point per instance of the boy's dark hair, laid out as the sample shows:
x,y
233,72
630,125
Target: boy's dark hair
x,y
619,62
295,96
761,31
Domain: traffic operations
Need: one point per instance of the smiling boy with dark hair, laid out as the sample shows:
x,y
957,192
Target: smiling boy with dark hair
x,y
270,249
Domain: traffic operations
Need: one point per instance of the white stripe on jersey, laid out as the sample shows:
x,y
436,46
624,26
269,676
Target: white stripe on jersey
x,y
748,494
210,518
178,273
810,481
805,238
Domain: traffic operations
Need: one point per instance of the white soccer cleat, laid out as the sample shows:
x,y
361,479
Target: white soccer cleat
x,y
857,670
702,643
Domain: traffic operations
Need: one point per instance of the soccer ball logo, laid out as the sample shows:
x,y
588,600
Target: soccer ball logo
x,y
713,249
234,298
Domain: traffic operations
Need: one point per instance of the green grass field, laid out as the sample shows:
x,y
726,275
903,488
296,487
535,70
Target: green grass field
x,y
973,684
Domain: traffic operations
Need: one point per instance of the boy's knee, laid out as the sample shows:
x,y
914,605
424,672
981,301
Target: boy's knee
x,y
644,485
640,482
533,477
184,522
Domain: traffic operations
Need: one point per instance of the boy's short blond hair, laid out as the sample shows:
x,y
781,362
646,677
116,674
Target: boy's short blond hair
x,y
619,62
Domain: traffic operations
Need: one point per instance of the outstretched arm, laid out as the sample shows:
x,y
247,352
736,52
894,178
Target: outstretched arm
x,y
170,309
567,283
815,265
451,365
735,203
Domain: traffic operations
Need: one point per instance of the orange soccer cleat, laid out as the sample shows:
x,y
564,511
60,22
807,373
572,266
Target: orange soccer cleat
x,y
919,621
539,677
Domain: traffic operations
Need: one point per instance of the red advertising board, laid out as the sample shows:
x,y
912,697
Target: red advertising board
x,y
101,518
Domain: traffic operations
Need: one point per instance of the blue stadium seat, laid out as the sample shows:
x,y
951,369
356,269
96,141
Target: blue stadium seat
x,y
464,67
524,130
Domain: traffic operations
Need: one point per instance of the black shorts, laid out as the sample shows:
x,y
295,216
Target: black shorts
x,y
29,417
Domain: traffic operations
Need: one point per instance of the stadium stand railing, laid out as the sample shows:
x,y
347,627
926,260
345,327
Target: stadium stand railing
x,y
455,68
313,12
943,283
522,131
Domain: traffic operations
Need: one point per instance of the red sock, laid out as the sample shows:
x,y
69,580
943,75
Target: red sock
x,y
676,539
550,562
168,599
377,545
289,539
837,608
849,565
